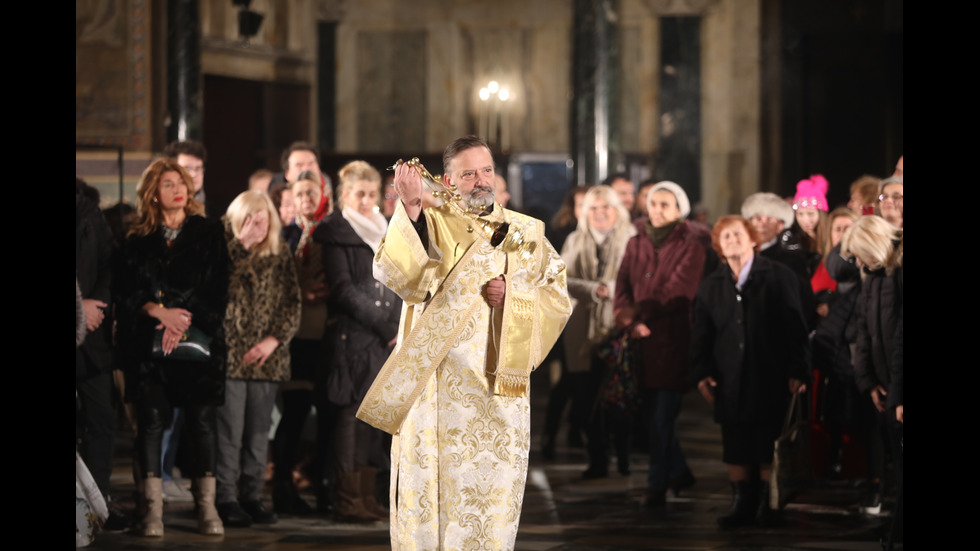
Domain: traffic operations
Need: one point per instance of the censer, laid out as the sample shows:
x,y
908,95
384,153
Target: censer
x,y
499,234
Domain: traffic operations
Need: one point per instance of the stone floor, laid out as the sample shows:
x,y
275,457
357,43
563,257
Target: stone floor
x,y
564,512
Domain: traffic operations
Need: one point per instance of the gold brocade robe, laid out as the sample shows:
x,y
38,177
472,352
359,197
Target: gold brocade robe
x,y
455,394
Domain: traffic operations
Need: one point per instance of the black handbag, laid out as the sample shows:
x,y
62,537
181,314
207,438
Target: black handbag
x,y
194,346
792,467
619,392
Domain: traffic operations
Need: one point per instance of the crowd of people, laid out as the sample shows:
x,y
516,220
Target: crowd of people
x,y
292,300
789,297
214,320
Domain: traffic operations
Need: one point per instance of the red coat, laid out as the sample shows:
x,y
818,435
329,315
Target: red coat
x,y
661,284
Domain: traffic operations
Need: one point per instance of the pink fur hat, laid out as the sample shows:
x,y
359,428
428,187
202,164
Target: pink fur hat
x,y
811,194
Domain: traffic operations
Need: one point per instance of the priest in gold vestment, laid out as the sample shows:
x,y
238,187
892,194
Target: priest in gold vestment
x,y
479,316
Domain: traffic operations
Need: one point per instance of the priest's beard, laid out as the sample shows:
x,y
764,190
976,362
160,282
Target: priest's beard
x,y
481,197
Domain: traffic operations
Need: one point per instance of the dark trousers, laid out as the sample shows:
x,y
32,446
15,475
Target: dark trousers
x,y
296,403
98,426
602,424
200,424
666,458
883,437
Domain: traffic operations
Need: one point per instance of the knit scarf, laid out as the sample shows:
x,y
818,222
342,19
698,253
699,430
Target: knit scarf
x,y
371,229
598,249
659,235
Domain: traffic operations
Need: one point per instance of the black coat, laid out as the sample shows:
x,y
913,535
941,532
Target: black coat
x,y
193,274
796,260
751,342
93,270
878,309
363,313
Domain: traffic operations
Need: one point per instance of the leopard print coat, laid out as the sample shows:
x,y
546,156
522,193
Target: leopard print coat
x,y
263,300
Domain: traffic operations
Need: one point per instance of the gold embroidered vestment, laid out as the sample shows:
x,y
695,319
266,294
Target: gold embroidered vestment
x,y
455,393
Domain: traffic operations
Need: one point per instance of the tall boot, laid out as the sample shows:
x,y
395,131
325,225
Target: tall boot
x,y
286,499
324,496
742,512
208,521
350,504
369,476
152,524
765,516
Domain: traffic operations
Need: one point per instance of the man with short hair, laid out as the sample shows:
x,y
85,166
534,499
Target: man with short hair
x,y
260,180
485,300
300,157
621,183
191,155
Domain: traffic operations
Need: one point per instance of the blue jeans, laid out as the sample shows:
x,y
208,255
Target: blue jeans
x,y
666,458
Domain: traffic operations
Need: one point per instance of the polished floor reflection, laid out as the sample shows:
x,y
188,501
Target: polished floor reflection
x,y
564,512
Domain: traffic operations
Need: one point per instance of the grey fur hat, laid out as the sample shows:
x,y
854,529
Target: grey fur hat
x,y
768,204
683,203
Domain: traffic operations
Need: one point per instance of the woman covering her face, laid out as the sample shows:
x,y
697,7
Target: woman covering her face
x,y
261,319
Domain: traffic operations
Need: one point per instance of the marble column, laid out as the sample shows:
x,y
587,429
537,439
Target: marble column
x,y
595,134
184,97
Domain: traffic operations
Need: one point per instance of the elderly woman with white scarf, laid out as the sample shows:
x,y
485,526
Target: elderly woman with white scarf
x,y
361,331
592,254
657,281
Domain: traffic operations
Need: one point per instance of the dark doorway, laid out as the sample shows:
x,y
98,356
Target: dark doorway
x,y
247,124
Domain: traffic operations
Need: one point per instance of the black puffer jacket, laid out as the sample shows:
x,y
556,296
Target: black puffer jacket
x,y
878,313
364,313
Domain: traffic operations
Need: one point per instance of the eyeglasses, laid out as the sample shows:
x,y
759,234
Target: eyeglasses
x,y
896,197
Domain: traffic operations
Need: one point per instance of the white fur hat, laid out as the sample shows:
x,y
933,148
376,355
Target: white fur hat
x,y
768,204
683,203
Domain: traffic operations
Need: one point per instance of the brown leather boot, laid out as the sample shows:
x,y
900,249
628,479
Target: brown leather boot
x,y
369,476
152,524
350,502
208,521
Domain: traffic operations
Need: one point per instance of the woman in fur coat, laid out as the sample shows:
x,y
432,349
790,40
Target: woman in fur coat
x,y
172,276
262,317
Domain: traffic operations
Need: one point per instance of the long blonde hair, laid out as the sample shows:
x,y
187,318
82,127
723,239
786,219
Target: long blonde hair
x,y
248,203
827,228
148,212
